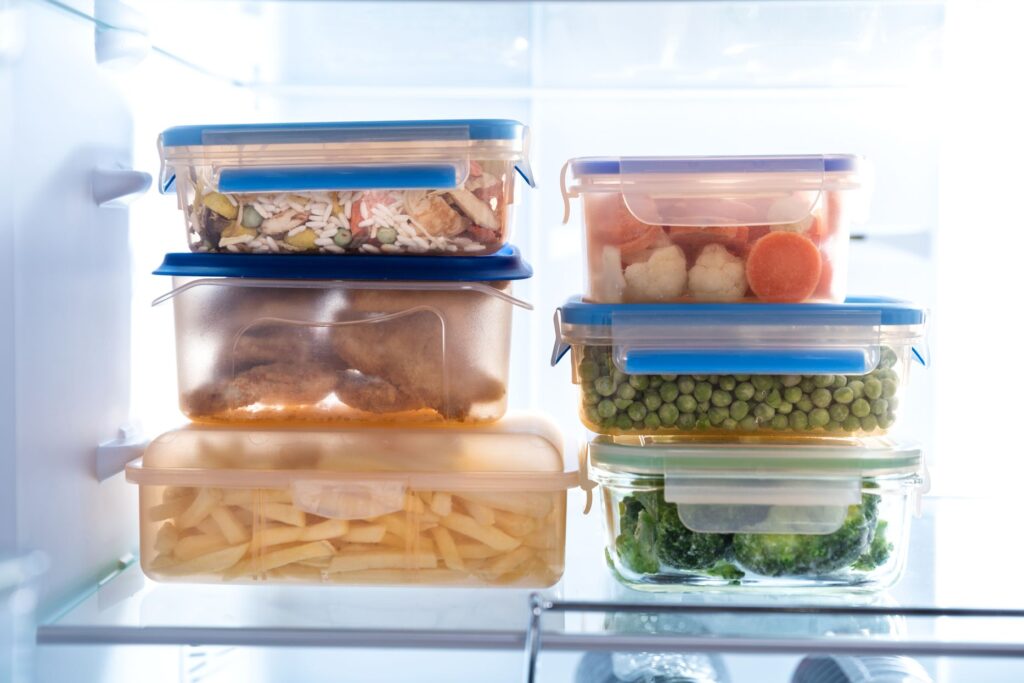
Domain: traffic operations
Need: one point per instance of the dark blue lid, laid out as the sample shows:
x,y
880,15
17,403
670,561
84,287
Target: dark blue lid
x,y
830,163
347,131
891,311
506,264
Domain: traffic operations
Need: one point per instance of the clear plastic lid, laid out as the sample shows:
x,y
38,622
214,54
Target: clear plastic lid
x,y
782,487
714,191
752,338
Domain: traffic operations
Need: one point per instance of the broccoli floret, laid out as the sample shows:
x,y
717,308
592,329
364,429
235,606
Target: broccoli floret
x,y
879,552
680,548
636,540
810,554
726,570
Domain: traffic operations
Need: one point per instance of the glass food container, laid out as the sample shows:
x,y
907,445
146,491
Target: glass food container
x,y
365,187
736,516
457,507
275,339
759,228
758,370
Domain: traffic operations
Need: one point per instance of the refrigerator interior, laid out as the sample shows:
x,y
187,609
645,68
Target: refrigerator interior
x,y
921,88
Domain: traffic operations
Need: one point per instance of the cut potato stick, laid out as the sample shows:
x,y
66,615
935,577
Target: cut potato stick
x,y
318,562
392,541
476,551
447,548
166,538
162,561
506,563
529,504
365,533
277,535
175,492
279,512
382,559
217,561
239,496
467,526
208,526
481,513
251,496
298,553
332,528
397,525
511,523
413,504
204,502
441,504
539,540
194,546
230,527
171,508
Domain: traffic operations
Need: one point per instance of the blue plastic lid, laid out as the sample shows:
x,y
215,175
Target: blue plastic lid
x,y
347,131
506,264
830,163
891,312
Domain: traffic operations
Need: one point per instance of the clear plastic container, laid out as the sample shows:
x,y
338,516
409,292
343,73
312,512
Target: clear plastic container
x,y
262,339
752,370
396,187
683,229
466,507
736,516
19,586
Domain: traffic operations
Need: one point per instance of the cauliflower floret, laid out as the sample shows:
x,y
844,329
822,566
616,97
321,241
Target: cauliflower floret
x,y
661,276
717,275
782,211
606,281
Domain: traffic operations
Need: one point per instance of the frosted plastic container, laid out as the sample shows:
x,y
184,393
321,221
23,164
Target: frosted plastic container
x,y
683,229
736,516
367,187
460,507
282,346
752,370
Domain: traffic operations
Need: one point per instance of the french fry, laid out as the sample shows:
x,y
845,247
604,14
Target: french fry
x,y
467,526
162,561
529,504
217,561
441,504
175,492
208,526
511,523
481,513
191,547
393,541
239,496
204,502
166,538
447,548
279,512
365,533
318,562
228,526
539,540
298,553
171,508
382,559
476,551
396,524
332,528
506,563
413,504
276,535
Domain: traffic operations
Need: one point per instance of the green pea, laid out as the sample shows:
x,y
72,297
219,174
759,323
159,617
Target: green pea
x,y
798,420
818,417
669,378
655,382
886,421
652,421
639,382
807,385
686,421
703,406
888,358
857,387
668,413
702,423
685,384
860,408
713,379
851,424
762,382
607,422
869,423
730,424
821,397
622,403
604,386
717,415
387,235
587,370
839,381
764,412
792,394
727,382
591,414
774,398
823,381
668,392
606,408
686,404
637,412
251,218
720,398
780,422
591,397
652,400
888,388
626,391
748,424
342,238
834,426
879,407
744,391
843,395
784,408
790,380
873,388
702,392
739,410
700,378
839,411
804,404
760,394
623,422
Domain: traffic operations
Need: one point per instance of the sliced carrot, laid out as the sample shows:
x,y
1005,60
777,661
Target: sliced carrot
x,y
783,267
610,223
824,288
475,169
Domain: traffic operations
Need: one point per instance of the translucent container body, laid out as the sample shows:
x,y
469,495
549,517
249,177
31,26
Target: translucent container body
x,y
287,351
438,507
686,229
721,374
786,516
399,187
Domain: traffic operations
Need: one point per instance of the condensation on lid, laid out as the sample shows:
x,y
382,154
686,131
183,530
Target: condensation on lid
x,y
829,163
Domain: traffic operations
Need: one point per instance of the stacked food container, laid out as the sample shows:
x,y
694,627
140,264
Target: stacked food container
x,y
343,335
742,403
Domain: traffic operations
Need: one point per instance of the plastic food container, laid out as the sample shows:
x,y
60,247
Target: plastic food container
x,y
786,515
368,187
467,507
766,370
769,228
267,339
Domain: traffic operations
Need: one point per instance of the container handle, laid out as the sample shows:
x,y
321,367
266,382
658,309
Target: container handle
x,y
345,177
